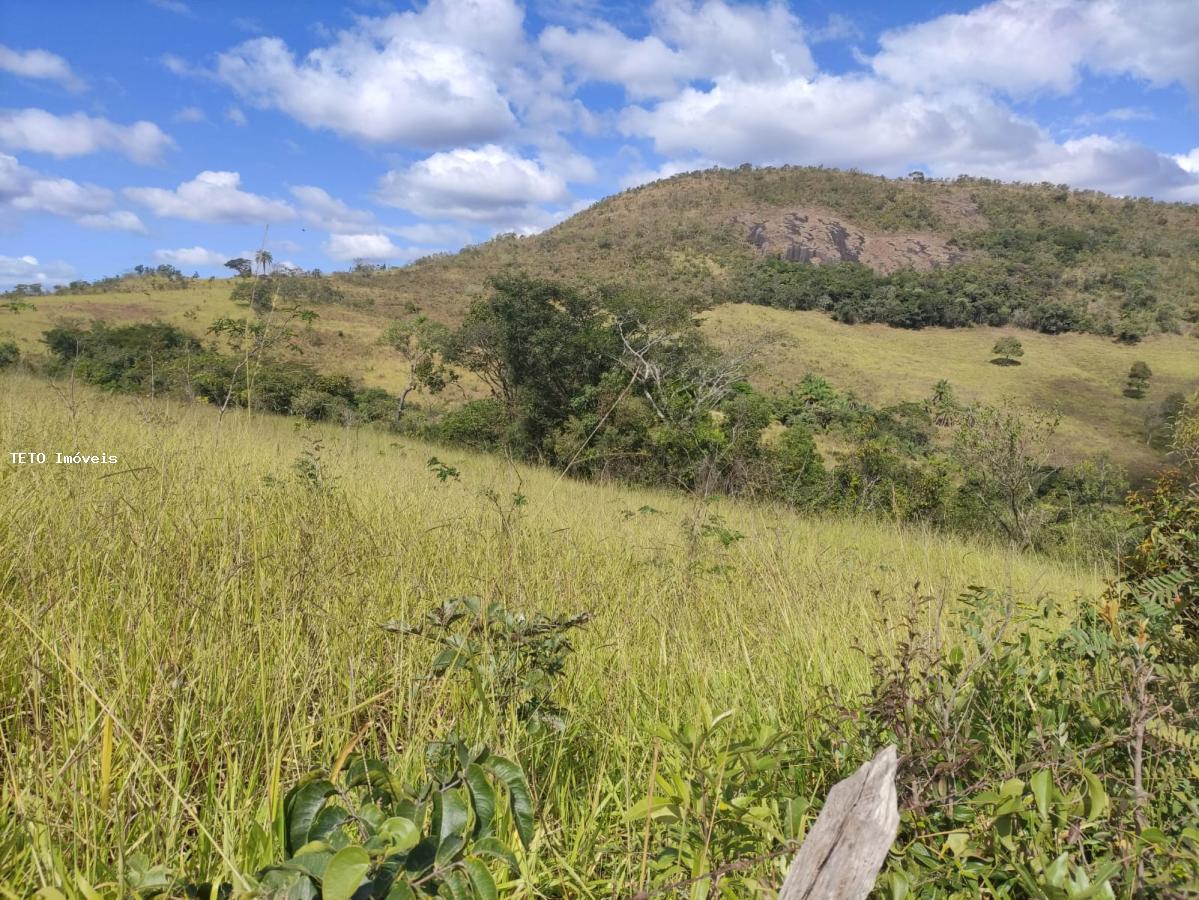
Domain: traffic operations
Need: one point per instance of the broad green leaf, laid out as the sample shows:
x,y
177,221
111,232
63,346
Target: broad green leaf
x,y
494,848
956,842
482,796
453,814
1042,785
375,773
480,879
1096,803
327,821
401,890
897,885
455,886
344,873
305,805
312,862
519,797
400,833
448,850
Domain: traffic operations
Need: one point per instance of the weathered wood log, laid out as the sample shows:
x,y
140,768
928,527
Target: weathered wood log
x,y
842,854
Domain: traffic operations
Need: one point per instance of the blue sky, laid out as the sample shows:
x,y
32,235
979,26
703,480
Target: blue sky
x,y
178,130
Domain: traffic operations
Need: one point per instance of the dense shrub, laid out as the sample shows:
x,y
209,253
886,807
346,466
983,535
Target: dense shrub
x,y
478,424
10,353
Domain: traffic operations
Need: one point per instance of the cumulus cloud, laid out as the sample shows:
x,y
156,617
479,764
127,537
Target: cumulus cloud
x,y
865,122
372,246
212,197
1189,162
42,65
425,78
78,134
191,257
322,210
26,191
29,270
1023,46
688,40
485,185
119,220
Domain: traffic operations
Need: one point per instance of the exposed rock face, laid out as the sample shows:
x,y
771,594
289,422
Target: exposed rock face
x,y
821,237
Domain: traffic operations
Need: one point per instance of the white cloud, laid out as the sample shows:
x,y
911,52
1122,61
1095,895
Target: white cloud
x,y
425,78
120,220
322,210
873,124
236,116
378,247
29,270
25,191
485,185
78,134
1189,162
1024,46
40,64
641,175
192,257
190,114
689,40
212,197
63,197
431,234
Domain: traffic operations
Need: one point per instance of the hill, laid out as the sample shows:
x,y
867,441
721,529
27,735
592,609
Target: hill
x,y
1110,259
207,629
789,238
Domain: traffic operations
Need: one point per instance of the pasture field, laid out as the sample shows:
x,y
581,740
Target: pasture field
x,y
1081,377
190,630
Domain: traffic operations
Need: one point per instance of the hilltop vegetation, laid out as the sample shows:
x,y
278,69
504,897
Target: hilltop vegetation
x,y
1040,256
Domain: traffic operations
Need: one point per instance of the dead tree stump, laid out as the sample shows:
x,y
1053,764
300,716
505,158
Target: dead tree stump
x,y
842,854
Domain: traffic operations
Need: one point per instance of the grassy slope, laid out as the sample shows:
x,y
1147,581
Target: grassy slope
x,y
226,616
343,340
1080,376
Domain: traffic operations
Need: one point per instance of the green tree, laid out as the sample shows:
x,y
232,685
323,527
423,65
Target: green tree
x,y
264,260
9,354
537,345
422,344
241,266
1006,459
1007,351
1138,380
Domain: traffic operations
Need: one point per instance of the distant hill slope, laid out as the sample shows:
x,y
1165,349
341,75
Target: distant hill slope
x,y
691,234
1115,258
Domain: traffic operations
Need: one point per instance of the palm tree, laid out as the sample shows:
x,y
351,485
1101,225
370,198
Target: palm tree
x,y
264,260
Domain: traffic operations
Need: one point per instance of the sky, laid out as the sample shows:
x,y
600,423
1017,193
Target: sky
x,y
189,132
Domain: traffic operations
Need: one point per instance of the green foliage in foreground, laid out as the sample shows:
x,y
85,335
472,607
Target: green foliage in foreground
x,y
1043,754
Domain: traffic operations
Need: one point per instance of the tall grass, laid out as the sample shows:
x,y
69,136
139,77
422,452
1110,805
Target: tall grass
x,y
188,631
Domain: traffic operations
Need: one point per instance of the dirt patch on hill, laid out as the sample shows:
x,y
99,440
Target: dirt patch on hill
x,y
805,235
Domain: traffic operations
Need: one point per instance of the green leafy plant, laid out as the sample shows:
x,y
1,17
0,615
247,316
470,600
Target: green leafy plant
x,y
719,796
509,660
443,472
362,833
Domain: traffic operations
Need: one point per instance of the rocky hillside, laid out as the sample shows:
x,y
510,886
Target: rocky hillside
x,y
1117,259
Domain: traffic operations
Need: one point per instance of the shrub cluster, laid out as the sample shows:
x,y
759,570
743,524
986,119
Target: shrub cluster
x,y
157,358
